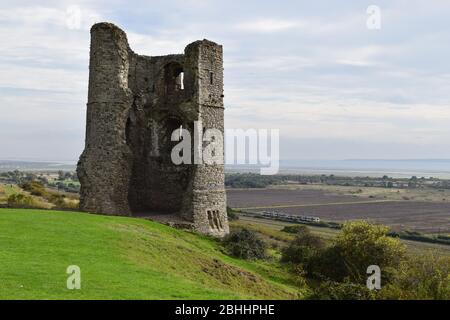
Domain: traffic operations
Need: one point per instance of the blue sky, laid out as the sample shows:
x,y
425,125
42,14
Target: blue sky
x,y
334,88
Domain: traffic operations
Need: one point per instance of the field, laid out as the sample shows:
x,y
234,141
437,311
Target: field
x,y
124,258
422,211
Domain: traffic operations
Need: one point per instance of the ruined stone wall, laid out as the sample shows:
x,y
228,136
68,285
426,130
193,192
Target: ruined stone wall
x,y
104,165
208,181
134,104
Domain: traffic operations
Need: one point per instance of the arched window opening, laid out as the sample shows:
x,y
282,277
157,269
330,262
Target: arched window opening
x,y
173,77
180,81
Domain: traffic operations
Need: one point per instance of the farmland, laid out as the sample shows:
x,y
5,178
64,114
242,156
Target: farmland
x,y
418,213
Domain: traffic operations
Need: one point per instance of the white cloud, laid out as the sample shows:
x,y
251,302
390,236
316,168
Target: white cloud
x,y
268,25
361,56
156,45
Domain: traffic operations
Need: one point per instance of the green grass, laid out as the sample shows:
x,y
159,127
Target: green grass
x,y
124,258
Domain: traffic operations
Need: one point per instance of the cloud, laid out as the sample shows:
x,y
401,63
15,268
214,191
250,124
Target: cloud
x,y
311,69
268,25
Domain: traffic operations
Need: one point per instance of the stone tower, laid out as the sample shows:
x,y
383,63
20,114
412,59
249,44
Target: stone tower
x,y
135,103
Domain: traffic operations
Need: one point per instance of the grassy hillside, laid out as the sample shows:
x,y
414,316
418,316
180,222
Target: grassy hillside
x,y
124,258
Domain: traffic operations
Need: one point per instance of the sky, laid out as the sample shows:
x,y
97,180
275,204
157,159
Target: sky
x,y
335,88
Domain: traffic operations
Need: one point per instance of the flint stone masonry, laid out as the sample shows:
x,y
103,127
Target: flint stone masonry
x,y
134,104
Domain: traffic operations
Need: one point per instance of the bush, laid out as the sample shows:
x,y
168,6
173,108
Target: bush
x,y
299,276
35,188
359,245
328,264
295,229
62,202
245,244
424,277
330,290
19,200
362,244
58,200
302,248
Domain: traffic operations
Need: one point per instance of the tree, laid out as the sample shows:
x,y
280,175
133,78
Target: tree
x,y
67,176
304,247
362,244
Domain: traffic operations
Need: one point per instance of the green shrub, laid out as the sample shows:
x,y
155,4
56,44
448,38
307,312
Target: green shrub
x,y
57,200
420,277
362,244
302,248
35,188
61,202
359,245
19,200
299,276
330,290
328,264
295,229
245,244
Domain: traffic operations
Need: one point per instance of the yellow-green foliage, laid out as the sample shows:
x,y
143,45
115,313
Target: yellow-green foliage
x,y
7,190
35,188
19,200
362,244
60,201
420,277
15,197
358,245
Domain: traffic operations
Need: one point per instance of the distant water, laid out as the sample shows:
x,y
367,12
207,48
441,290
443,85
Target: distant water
x,y
10,165
438,168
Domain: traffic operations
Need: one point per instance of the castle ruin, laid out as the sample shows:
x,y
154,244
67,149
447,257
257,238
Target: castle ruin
x,y
135,103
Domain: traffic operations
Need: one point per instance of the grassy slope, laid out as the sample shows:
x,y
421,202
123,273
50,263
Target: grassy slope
x,y
123,258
